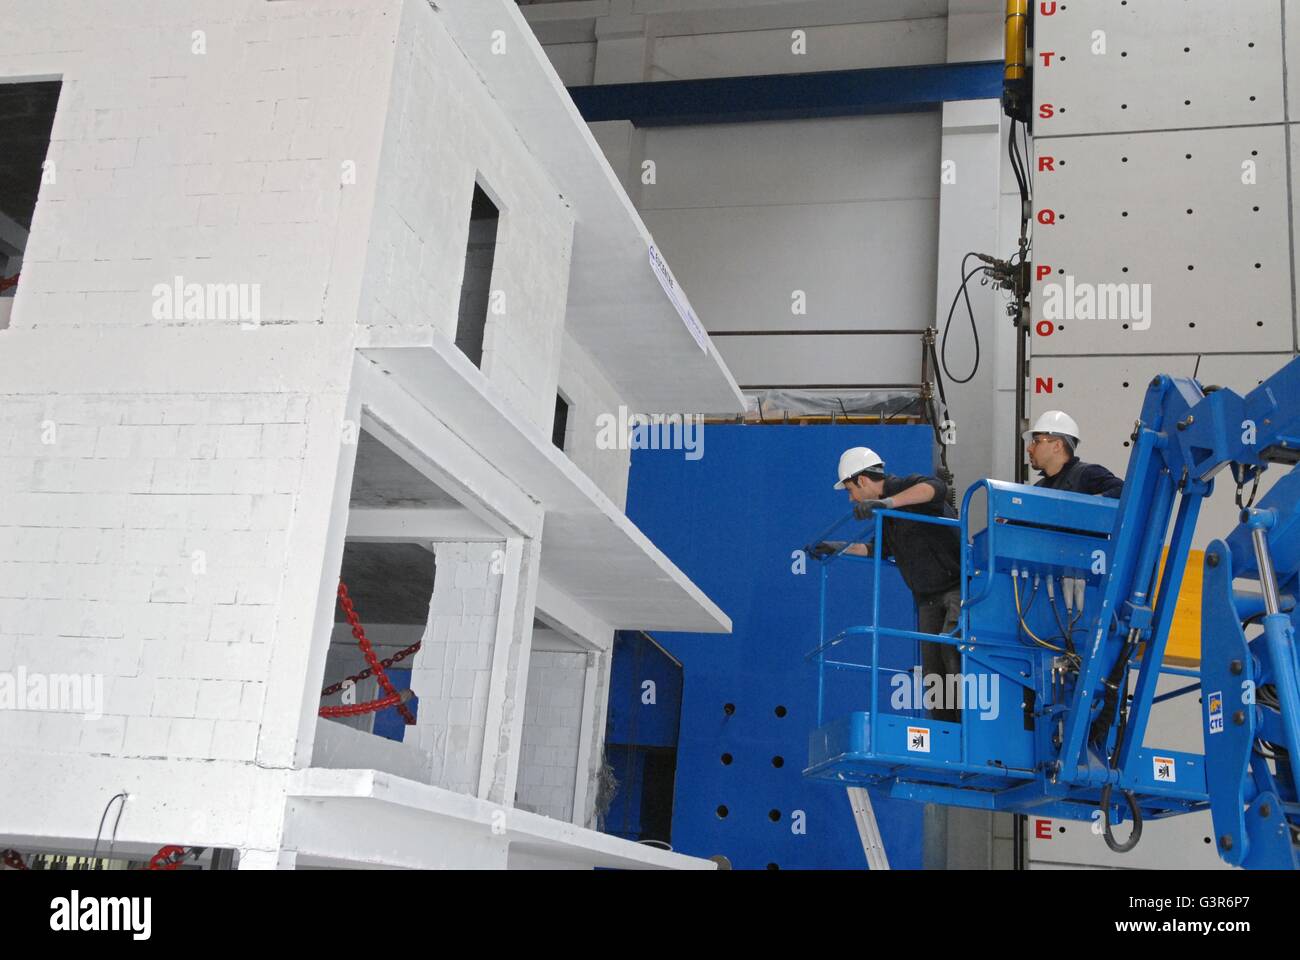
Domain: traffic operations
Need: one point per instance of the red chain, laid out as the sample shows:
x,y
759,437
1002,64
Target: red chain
x,y
392,697
13,860
356,709
169,857
7,282
387,662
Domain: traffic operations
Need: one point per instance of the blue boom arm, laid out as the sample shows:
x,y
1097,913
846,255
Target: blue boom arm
x,y
1079,745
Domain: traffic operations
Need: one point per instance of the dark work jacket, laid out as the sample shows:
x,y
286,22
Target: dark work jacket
x,y
1079,477
928,556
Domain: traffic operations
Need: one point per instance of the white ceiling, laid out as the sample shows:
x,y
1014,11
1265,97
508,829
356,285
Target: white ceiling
x,y
383,479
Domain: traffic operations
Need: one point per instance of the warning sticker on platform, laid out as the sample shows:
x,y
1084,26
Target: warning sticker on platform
x,y
918,739
1163,769
1215,707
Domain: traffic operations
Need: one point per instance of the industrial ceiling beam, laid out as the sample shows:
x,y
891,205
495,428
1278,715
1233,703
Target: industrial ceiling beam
x,y
790,96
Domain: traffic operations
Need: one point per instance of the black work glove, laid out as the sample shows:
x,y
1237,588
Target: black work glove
x,y
826,548
867,509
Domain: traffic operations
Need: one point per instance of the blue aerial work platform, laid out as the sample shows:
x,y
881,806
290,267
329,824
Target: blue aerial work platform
x,y
1067,604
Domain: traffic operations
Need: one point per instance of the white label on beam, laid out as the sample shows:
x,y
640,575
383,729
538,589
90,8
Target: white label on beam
x,y
678,298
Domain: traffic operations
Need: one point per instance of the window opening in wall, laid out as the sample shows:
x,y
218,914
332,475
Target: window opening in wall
x,y
476,288
560,427
26,119
398,515
389,586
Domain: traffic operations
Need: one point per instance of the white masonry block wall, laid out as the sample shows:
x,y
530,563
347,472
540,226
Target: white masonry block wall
x,y
164,543
167,475
431,161
594,732
590,398
452,672
171,479
552,732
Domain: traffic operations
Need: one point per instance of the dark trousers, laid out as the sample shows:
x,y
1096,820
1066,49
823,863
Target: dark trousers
x,y
939,613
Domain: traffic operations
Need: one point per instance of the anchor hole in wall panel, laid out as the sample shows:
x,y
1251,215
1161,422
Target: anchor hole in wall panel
x,y
1157,65
1118,265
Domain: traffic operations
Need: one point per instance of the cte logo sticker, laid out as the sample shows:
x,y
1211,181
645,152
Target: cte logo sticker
x,y
1215,707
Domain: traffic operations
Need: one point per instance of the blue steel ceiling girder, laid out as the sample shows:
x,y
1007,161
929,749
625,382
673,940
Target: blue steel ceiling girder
x,y
790,96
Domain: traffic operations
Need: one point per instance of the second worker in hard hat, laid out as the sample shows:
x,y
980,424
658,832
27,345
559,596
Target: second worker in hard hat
x,y
928,555
1051,445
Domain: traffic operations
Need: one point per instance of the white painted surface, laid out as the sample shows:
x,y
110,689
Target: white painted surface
x,y
340,747
592,552
1232,319
842,46
844,211
1205,292
479,833
173,490
610,268
1167,65
416,264
451,673
590,396
552,731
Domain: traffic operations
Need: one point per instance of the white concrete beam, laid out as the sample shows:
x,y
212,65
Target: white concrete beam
x,y
375,801
562,613
404,524
582,779
502,736
591,549
412,431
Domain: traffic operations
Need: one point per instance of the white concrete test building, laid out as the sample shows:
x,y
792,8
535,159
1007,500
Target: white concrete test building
x,y
310,289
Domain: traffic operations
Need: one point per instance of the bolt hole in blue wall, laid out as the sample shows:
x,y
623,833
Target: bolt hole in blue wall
x,y
731,520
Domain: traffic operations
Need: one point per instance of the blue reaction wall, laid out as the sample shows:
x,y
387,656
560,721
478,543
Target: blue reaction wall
x,y
734,520
641,733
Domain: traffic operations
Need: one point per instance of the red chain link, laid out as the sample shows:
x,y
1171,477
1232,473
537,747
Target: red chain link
x,y
387,662
392,697
7,282
169,857
356,709
13,860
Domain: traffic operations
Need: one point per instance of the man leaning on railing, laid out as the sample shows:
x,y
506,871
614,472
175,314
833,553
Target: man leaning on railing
x,y
928,555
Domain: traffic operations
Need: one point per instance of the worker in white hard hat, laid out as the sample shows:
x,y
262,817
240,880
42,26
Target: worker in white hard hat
x,y
928,555
1051,445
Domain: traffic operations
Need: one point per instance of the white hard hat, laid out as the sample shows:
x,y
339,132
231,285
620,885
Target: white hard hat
x,y
856,459
1056,422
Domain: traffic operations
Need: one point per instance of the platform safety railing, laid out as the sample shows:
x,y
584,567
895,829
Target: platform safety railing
x,y
874,630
